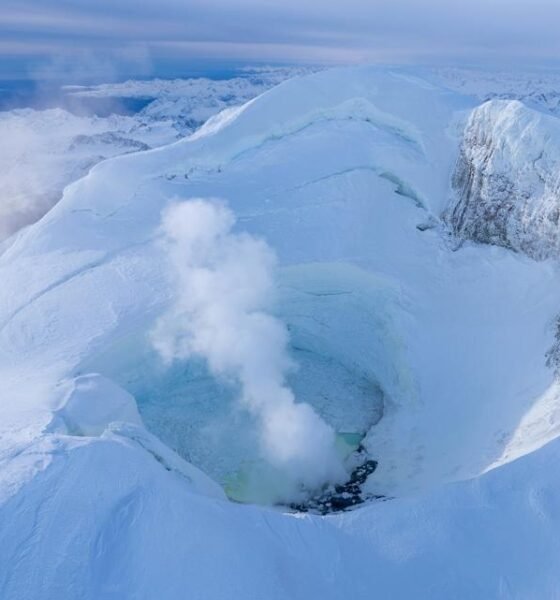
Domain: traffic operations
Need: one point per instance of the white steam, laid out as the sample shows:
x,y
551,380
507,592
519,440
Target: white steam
x,y
225,281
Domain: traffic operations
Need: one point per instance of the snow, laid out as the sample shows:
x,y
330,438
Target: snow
x,y
91,403
132,529
336,171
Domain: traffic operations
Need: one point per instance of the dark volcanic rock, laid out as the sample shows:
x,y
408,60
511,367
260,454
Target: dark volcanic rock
x,y
341,497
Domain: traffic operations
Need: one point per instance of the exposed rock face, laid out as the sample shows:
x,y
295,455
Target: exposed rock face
x,y
340,498
117,143
507,180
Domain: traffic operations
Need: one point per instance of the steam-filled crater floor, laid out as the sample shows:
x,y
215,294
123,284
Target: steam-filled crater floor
x,y
199,416
416,278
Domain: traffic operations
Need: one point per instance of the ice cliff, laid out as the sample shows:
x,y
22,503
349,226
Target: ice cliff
x,y
507,180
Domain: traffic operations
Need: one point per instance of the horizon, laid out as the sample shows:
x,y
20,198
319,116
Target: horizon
x,y
57,39
213,71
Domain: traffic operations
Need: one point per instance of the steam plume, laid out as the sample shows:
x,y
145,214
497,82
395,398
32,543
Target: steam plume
x,y
225,281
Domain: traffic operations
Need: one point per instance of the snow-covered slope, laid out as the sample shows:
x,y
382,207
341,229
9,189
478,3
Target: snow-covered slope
x,y
437,355
48,149
104,521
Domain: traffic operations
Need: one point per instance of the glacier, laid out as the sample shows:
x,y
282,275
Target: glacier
x,y
406,329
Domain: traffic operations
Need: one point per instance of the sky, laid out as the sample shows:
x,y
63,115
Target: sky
x,y
112,39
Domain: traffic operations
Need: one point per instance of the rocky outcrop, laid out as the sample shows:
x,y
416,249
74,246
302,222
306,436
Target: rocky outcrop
x,y
507,180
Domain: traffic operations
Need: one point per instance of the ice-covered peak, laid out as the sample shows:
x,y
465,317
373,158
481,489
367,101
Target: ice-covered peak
x,y
506,182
